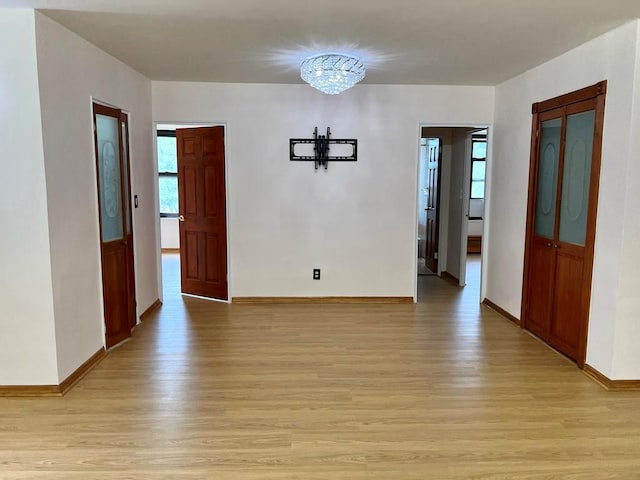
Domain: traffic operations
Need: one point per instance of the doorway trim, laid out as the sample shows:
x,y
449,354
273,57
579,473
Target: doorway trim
x,y
227,165
487,201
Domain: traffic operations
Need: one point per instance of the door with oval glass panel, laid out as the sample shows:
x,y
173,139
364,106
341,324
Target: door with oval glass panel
x,y
563,193
116,233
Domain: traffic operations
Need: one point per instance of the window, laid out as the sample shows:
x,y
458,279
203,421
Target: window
x,y
478,167
478,171
168,173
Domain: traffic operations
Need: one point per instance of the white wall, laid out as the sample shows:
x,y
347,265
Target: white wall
x,y
475,228
71,71
611,57
169,233
626,360
356,221
27,332
476,207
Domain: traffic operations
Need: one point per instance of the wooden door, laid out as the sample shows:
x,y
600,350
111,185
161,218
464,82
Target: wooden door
x,y
128,224
542,255
115,226
434,159
202,205
565,168
573,245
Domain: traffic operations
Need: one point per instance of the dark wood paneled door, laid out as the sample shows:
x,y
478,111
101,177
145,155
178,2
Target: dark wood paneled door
x,y
202,206
566,148
434,160
116,236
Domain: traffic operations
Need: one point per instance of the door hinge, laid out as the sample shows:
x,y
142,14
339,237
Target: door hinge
x,y
435,256
537,133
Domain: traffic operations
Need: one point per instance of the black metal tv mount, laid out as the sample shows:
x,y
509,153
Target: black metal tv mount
x,y
321,146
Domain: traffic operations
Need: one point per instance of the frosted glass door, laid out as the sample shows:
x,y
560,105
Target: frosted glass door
x,y
109,182
561,221
545,213
576,177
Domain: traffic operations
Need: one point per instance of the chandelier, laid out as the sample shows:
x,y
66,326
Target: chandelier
x,y
332,73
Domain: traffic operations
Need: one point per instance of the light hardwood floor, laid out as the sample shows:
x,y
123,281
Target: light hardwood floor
x,y
445,389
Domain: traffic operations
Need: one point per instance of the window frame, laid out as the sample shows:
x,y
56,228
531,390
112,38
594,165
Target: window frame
x,y
477,139
166,133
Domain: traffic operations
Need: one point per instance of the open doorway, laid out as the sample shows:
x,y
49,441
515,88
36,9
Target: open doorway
x,y
450,207
192,208
476,210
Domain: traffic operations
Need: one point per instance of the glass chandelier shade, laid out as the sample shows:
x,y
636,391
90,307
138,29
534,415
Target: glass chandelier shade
x,y
332,73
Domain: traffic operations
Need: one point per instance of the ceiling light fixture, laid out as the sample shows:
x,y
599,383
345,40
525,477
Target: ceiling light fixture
x,y
332,73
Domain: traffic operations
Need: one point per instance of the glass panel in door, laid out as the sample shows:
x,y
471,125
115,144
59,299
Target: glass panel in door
x,y
576,177
109,182
545,213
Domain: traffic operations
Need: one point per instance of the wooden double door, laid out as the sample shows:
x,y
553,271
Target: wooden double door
x,y
563,193
111,137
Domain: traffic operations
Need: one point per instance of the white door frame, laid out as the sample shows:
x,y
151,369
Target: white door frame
x,y
465,210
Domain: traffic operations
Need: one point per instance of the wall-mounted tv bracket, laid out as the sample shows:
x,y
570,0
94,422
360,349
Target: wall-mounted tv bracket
x,y
321,146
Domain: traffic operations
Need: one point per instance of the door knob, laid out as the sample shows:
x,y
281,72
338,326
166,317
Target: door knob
x,y
181,218
549,245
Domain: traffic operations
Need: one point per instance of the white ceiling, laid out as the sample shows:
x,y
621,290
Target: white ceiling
x,y
466,42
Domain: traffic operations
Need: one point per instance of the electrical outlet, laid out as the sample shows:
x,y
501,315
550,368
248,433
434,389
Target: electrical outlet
x,y
316,274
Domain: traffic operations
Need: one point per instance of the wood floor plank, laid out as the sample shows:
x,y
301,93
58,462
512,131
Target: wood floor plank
x,y
445,389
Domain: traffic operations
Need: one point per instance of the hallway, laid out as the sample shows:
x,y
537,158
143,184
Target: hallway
x,y
430,287
445,389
